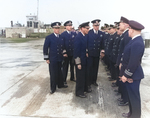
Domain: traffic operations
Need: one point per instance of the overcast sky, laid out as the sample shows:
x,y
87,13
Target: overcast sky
x,y
78,11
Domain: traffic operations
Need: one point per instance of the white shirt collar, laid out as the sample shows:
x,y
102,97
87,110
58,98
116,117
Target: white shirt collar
x,y
56,34
125,30
136,36
95,31
82,34
69,32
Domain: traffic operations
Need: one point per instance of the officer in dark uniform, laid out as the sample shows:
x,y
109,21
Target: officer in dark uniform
x,y
131,70
124,41
53,51
95,41
111,40
106,36
80,46
68,37
115,55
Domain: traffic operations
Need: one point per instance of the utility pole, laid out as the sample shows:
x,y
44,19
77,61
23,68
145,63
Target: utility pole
x,y
37,9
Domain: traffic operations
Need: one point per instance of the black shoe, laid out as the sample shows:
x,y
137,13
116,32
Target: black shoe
x,y
119,100
123,103
113,85
126,115
65,83
117,94
73,80
111,79
65,86
115,90
81,96
89,89
51,92
95,84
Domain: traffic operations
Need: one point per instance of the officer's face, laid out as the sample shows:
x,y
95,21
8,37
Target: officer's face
x,y
130,32
112,31
56,30
96,27
86,30
119,32
69,28
121,26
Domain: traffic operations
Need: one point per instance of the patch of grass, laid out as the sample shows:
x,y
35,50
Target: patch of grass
x,y
39,35
21,40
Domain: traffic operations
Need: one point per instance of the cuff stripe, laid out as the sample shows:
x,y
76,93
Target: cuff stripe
x,y
45,56
128,73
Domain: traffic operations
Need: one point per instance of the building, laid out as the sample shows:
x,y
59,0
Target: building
x,y
32,21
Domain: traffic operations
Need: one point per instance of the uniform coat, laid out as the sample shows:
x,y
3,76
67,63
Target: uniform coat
x,y
94,45
131,68
124,41
69,42
80,45
53,51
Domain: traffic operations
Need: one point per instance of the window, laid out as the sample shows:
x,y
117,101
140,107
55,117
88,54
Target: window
x,y
30,23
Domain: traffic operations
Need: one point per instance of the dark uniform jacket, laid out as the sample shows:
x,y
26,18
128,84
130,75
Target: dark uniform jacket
x,y
114,53
68,40
95,43
110,44
124,41
80,46
132,56
53,48
106,39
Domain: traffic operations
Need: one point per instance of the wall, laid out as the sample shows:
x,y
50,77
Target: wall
x,y
13,30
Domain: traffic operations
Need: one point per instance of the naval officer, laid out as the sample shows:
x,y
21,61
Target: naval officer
x,y
106,36
124,25
54,51
111,39
68,37
94,46
131,70
80,46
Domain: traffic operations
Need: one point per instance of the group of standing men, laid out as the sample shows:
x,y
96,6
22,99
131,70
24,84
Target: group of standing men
x,y
83,49
124,48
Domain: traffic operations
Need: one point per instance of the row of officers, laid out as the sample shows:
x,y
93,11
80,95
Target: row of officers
x,y
120,46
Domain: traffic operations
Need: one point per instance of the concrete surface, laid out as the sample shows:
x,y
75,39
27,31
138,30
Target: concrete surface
x,y
24,88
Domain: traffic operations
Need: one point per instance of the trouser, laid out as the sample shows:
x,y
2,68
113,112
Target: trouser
x,y
113,70
80,80
56,78
68,60
107,61
104,59
92,69
117,76
123,90
134,98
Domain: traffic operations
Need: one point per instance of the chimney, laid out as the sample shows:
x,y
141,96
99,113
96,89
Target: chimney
x,y
11,23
